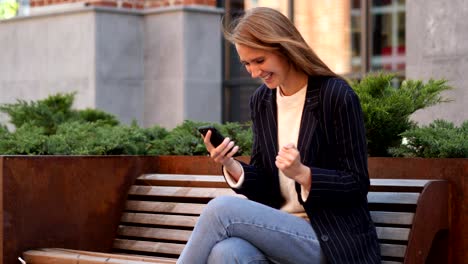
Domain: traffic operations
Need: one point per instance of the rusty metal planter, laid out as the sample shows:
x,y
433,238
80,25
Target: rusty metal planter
x,y
71,202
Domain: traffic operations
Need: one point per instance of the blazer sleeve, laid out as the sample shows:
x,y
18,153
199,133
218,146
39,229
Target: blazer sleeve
x,y
258,181
348,181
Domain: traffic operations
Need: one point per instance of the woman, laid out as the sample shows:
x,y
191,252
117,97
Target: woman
x,y
307,181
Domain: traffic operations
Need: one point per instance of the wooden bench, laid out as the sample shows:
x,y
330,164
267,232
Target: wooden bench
x,y
161,211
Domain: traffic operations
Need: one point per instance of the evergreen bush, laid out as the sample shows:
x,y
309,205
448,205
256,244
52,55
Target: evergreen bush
x,y
241,134
49,113
387,109
52,127
46,114
440,139
28,139
186,140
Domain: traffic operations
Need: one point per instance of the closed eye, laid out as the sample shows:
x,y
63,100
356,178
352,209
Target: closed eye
x,y
258,60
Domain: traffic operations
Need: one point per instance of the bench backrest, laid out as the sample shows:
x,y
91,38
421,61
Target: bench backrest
x,y
161,211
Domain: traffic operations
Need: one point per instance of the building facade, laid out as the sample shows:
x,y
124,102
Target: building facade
x,y
156,66
163,61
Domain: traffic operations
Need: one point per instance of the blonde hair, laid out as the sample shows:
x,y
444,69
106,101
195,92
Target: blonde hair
x,y
267,29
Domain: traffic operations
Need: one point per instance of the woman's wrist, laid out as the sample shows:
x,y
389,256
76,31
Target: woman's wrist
x,y
305,177
233,167
229,162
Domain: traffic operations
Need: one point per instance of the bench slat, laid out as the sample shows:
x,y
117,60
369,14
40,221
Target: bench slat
x,y
220,178
398,182
393,233
184,192
397,185
42,257
164,207
383,233
154,233
183,180
146,246
159,219
395,218
62,256
392,197
379,217
110,257
218,181
193,192
389,250
204,192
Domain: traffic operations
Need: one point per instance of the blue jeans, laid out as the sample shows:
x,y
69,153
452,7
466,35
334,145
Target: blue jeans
x,y
237,230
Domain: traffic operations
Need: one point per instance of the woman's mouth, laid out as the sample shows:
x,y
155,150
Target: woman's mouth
x,y
267,77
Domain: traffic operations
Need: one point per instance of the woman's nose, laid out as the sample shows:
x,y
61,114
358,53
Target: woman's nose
x,y
255,72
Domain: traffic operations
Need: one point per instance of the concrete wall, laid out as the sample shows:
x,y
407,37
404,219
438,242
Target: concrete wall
x,y
437,47
119,65
182,65
156,67
48,54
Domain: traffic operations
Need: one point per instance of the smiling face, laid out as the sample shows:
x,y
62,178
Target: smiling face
x,y
271,67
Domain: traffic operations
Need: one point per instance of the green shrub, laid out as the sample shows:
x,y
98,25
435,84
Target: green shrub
x,y
241,134
95,116
52,127
72,138
186,140
182,140
3,131
76,138
387,109
46,114
440,139
155,132
26,140
118,140
49,113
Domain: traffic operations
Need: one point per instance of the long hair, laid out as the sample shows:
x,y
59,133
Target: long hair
x,y
267,29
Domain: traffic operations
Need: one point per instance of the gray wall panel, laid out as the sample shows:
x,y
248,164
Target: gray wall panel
x,y
119,65
437,47
158,67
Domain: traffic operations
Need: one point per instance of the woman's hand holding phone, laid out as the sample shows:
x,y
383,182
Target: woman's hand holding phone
x,y
222,153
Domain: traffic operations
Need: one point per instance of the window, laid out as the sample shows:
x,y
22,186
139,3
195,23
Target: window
x,y
386,33
341,45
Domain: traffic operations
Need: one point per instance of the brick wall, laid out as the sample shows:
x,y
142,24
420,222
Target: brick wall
x,y
135,4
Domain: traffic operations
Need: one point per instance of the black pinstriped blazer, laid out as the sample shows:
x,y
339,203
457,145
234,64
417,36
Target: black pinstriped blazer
x,y
332,143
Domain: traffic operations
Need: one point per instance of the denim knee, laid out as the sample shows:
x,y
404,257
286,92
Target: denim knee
x,y
218,205
236,251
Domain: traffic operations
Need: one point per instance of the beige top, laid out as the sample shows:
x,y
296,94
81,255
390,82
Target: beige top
x,y
289,123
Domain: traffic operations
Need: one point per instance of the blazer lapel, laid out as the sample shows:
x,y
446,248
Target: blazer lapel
x,y
270,118
309,119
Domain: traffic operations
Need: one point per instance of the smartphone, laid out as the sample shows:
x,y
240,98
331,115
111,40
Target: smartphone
x,y
216,137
